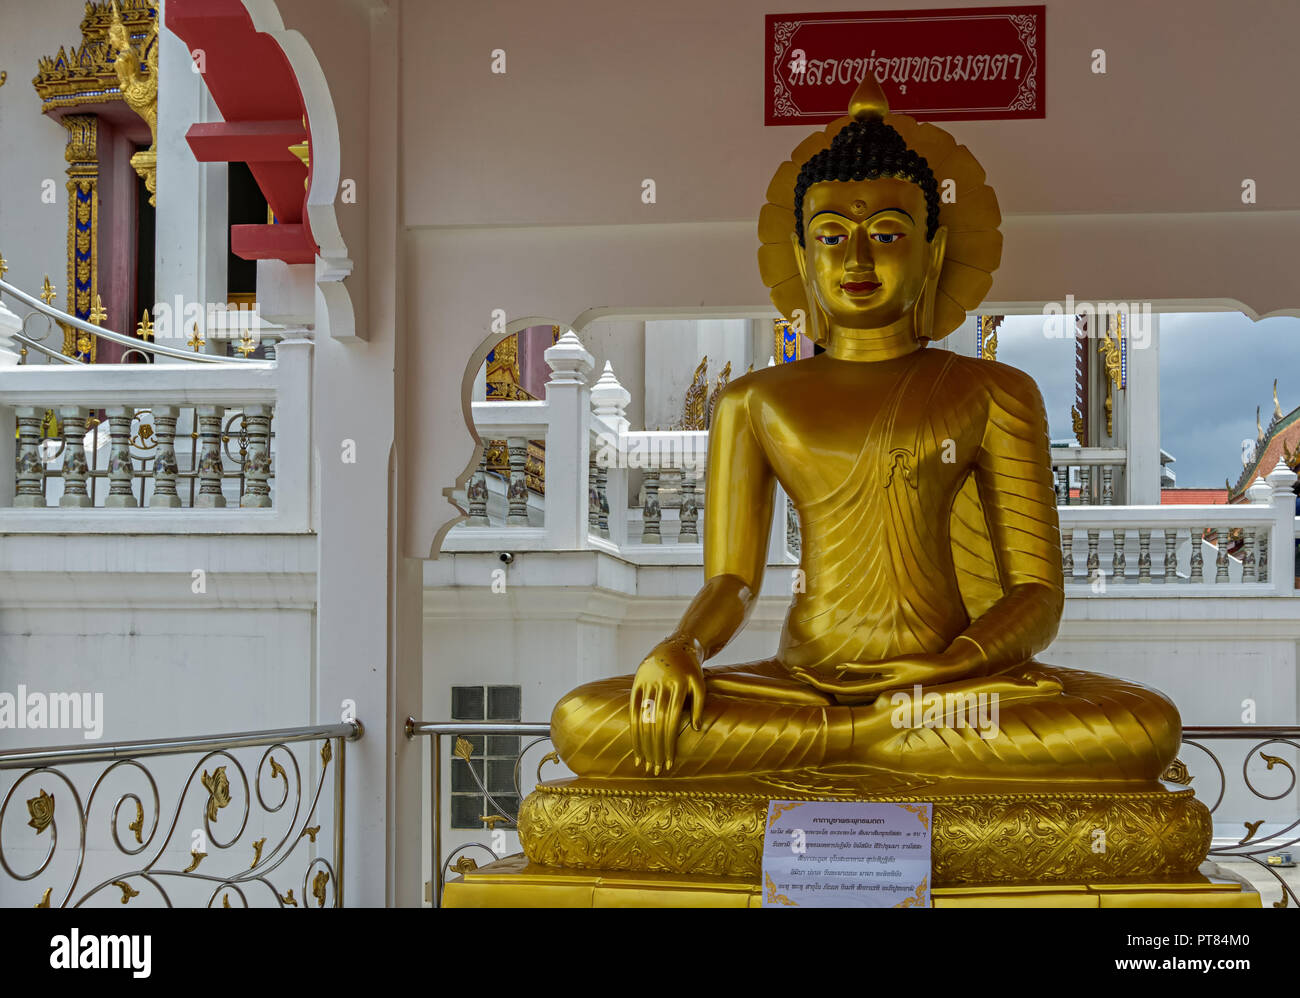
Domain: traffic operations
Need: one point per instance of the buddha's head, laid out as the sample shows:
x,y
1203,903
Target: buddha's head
x,y
866,235
867,224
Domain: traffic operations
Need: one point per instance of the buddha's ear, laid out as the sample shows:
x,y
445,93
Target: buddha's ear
x,y
818,322
924,314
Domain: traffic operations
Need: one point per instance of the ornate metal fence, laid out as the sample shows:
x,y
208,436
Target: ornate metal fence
x,y
145,851
1249,848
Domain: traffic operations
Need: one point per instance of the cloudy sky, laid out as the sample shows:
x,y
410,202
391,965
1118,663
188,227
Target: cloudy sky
x,y
1215,368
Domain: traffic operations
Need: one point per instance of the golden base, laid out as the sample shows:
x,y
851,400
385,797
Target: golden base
x,y
983,833
514,882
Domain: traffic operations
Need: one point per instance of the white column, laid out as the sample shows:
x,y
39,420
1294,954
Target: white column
x,y
609,401
1281,548
292,423
1141,401
191,237
568,409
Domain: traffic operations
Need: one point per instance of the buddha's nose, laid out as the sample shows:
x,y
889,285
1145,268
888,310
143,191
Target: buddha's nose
x,y
859,254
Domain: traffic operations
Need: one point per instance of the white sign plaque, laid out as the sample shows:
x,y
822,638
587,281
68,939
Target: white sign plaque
x,y
846,854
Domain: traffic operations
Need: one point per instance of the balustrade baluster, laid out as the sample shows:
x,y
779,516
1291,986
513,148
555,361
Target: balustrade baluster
x,y
209,417
1062,477
1197,538
257,463
1221,562
1248,556
689,511
602,477
29,469
517,492
1263,554
1085,486
476,494
1171,557
1107,491
1067,553
1119,559
593,495
164,458
1094,563
1144,556
650,511
120,466
75,471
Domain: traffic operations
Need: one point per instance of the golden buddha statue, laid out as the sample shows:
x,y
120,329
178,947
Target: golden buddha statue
x,y
924,488
931,572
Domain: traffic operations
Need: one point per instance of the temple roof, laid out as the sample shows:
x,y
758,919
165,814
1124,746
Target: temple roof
x,y
1193,497
1279,441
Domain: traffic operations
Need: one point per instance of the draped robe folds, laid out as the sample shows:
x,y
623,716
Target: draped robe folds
x,y
945,517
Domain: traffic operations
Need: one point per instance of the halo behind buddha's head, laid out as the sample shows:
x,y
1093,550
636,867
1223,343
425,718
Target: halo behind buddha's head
x,y
968,209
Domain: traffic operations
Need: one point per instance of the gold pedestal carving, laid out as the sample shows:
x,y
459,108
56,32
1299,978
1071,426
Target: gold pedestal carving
x,y
983,833
514,882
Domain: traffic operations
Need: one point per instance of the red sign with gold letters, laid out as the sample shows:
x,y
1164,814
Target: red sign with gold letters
x,y
938,65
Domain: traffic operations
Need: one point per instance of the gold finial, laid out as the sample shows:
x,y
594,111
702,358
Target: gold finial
x,y
869,102
47,292
195,342
4,267
245,346
145,329
98,314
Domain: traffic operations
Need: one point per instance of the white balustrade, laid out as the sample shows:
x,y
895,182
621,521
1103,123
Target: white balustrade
x,y
1245,549
119,473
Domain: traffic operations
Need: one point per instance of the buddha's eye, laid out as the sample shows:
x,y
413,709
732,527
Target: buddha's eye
x,y
831,240
887,237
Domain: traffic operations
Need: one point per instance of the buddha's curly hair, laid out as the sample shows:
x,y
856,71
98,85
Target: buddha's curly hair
x,y
868,150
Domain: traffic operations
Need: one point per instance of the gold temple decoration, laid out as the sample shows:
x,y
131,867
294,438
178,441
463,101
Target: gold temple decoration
x,y
82,156
47,291
724,379
144,330
137,826
1178,773
1111,351
87,74
98,313
225,900
258,846
326,753
318,885
196,858
195,342
694,404
465,864
4,266
490,820
289,899
303,151
44,902
987,336
463,748
1077,424
1251,828
128,892
218,787
137,78
310,831
41,809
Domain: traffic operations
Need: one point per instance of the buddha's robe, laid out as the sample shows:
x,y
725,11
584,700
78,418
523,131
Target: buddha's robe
x,y
941,523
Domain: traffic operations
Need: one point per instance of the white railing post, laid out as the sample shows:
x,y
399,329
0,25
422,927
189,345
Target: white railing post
x,y
609,401
1281,554
568,412
292,420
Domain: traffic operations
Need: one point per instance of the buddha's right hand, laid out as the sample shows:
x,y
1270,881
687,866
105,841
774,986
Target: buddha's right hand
x,y
671,676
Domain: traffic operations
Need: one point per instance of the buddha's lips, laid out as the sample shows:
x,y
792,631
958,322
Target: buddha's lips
x,y
860,287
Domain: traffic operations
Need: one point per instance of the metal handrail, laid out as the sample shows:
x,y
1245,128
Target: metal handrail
x,y
62,358
112,337
65,754
1260,734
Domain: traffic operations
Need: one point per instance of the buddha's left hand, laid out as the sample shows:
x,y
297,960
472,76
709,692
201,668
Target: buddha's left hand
x,y
865,679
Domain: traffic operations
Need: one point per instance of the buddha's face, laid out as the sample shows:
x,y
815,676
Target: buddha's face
x,y
865,255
